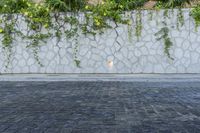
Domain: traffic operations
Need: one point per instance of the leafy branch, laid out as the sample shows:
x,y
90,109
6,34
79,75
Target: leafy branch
x,y
163,34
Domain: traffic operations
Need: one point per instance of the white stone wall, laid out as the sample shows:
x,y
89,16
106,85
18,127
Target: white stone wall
x,y
115,51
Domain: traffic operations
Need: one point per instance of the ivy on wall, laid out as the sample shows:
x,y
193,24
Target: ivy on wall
x,y
196,15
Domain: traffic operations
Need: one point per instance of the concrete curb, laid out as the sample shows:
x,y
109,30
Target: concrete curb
x,y
103,77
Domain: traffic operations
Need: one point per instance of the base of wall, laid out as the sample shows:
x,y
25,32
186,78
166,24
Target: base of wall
x,y
103,77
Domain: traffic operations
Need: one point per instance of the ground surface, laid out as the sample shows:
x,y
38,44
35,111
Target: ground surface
x,y
99,107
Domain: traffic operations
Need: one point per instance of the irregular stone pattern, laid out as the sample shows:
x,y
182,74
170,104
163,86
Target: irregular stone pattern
x,y
99,107
116,51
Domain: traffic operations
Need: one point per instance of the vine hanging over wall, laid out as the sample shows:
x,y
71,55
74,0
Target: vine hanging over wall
x,y
180,19
163,34
138,27
196,15
46,20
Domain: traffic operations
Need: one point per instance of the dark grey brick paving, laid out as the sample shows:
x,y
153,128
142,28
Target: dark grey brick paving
x,y
99,107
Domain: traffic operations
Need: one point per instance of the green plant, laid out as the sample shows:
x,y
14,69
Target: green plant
x,y
41,25
138,27
129,27
8,30
180,19
100,16
173,3
163,34
66,5
131,4
76,60
195,13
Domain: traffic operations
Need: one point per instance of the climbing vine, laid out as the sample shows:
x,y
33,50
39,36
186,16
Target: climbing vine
x,y
163,34
97,16
138,27
54,18
196,15
180,19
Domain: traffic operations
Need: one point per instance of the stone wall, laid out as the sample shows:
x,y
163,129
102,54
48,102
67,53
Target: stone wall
x,y
116,51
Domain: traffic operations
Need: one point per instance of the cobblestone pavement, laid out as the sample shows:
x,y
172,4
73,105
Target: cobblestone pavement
x,y
99,107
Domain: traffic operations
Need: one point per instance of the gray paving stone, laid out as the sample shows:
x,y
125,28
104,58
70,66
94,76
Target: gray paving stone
x,y
99,107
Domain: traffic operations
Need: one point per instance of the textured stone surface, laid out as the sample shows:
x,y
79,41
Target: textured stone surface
x,y
119,46
99,107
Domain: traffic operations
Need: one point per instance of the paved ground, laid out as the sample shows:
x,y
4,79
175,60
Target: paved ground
x,y
99,107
